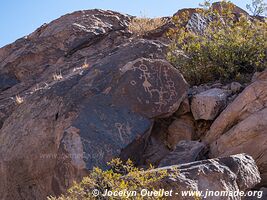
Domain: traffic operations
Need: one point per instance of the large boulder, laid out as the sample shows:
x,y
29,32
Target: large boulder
x,y
241,127
107,92
208,104
228,174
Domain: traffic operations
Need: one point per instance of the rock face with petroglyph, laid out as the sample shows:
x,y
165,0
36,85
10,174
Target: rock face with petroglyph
x,y
85,90
82,90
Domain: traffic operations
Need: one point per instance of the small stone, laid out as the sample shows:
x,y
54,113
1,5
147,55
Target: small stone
x,y
235,87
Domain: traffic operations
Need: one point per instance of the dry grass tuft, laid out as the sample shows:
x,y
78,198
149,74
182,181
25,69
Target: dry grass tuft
x,y
140,26
57,76
85,65
19,100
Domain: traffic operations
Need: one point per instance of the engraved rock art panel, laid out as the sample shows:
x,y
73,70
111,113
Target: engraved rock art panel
x,y
111,127
151,87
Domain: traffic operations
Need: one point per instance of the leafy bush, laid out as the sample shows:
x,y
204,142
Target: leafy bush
x,y
140,26
229,48
120,177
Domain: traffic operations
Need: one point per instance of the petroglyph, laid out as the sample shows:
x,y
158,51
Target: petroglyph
x,y
107,90
133,83
147,86
156,82
93,153
124,130
73,145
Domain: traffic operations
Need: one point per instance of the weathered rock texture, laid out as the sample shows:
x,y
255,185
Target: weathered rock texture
x,y
241,127
185,152
208,104
181,129
234,173
81,90
112,88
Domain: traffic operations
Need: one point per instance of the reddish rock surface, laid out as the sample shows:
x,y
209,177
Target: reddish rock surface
x,y
241,127
82,90
233,173
106,92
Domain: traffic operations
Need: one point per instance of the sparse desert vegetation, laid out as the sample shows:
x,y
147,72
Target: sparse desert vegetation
x,y
95,85
141,25
122,176
57,76
229,48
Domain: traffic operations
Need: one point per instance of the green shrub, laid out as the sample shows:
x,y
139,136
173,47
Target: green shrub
x,y
120,177
230,47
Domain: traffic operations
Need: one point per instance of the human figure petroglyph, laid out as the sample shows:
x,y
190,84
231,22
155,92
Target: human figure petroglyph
x,y
147,85
124,130
145,75
98,155
165,73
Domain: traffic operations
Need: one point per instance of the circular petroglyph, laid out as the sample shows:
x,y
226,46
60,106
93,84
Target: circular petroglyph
x,y
133,82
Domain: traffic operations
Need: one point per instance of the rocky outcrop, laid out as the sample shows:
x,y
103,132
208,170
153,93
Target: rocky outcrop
x,y
81,90
241,127
233,173
88,90
207,99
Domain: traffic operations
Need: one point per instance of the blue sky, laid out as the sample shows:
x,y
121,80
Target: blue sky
x,y
21,17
